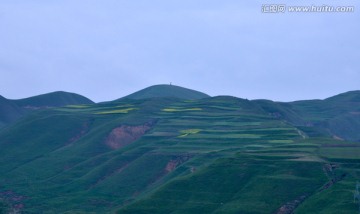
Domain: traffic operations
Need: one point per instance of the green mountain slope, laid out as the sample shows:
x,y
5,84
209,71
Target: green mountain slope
x,y
12,110
54,99
347,97
337,117
168,155
167,91
9,111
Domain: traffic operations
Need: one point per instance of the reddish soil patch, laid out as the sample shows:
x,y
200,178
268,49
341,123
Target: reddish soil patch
x,y
13,200
84,129
329,170
124,135
109,175
289,207
172,164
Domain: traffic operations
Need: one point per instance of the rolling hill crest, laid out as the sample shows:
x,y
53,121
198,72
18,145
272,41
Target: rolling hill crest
x,y
11,110
161,153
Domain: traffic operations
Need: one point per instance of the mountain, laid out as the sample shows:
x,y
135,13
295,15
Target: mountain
x,y
12,110
167,91
9,111
337,116
350,96
168,155
54,99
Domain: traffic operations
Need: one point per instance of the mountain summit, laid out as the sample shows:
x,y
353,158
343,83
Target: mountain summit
x,y
167,91
216,155
53,99
11,110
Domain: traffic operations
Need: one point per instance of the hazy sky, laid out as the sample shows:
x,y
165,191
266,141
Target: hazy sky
x,y
105,49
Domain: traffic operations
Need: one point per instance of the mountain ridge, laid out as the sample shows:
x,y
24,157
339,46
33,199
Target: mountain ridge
x,y
53,99
13,109
159,155
302,113
9,111
163,90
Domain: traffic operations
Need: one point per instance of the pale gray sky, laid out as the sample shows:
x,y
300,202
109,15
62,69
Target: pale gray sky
x,y
107,49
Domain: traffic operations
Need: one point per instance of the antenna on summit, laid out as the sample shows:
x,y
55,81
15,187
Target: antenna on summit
x,y
170,83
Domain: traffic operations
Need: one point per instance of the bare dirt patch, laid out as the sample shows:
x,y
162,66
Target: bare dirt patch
x,y
289,207
13,200
172,164
329,170
119,170
84,129
124,135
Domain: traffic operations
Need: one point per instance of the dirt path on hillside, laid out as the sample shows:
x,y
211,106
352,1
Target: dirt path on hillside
x,y
329,170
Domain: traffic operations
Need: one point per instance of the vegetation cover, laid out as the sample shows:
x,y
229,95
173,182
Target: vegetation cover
x,y
11,110
169,154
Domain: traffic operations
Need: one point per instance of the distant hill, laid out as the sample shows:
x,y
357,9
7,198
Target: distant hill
x,y
216,155
9,111
164,155
167,91
350,96
54,99
337,116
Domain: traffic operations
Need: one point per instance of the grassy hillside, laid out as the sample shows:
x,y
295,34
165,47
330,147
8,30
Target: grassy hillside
x,y
347,97
337,117
167,91
9,111
162,155
12,110
53,99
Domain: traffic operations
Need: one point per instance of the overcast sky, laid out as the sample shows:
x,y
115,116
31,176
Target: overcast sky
x,y
107,49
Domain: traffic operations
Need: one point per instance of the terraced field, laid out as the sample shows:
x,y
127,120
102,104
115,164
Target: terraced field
x,y
161,155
